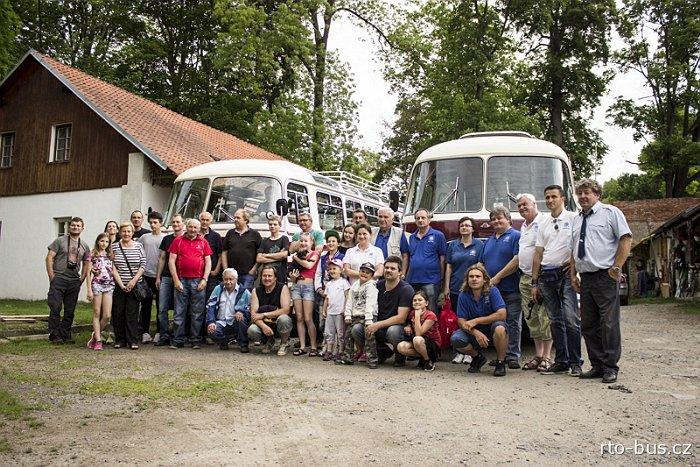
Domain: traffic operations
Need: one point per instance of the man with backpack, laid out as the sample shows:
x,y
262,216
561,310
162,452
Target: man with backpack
x,y
394,301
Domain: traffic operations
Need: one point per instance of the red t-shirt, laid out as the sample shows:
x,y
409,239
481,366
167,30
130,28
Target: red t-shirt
x,y
311,272
433,333
190,256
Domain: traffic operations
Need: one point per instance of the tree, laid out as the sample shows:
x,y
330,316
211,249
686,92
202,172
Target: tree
x,y
567,41
454,70
9,26
630,187
84,34
668,60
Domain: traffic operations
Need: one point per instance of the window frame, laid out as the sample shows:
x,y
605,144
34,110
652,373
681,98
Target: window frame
x,y
67,147
3,156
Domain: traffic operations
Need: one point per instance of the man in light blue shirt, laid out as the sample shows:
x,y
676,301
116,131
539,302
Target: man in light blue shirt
x,y
228,312
600,243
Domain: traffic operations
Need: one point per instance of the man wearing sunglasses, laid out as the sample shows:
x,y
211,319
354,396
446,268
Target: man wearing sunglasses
x,y
551,282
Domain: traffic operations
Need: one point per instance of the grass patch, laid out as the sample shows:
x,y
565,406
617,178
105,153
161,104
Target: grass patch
x,y
9,307
26,347
192,387
10,407
5,446
686,305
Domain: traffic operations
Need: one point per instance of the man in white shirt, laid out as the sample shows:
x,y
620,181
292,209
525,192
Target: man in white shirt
x,y
601,241
535,314
551,282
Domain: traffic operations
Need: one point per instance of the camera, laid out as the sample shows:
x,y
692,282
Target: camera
x,y
72,264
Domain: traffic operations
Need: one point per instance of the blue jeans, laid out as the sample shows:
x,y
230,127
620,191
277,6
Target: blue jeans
x,y
560,303
461,338
514,320
246,281
237,328
191,301
165,303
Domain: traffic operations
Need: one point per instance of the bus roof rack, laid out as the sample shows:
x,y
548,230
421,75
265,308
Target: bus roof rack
x,y
355,182
480,134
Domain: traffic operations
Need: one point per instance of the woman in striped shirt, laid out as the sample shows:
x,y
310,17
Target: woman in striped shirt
x,y
130,264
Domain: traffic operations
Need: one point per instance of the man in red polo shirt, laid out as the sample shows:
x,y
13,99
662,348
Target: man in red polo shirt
x,y
190,265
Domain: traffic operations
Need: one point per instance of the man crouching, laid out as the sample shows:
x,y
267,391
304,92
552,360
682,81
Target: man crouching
x,y
228,312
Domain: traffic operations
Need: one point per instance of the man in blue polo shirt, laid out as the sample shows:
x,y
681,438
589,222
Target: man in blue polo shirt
x,y
500,258
427,248
480,314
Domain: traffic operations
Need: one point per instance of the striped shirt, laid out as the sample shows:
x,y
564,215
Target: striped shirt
x,y
136,257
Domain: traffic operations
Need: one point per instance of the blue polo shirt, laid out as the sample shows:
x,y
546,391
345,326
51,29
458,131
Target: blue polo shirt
x,y
468,308
383,240
425,255
461,258
497,252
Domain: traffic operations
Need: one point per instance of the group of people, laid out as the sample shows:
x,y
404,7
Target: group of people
x,y
373,292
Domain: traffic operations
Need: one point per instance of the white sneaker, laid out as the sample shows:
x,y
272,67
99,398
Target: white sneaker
x,y
459,358
467,359
282,350
156,338
146,338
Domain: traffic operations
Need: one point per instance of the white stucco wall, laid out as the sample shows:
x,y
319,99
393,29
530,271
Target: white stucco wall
x,y
29,226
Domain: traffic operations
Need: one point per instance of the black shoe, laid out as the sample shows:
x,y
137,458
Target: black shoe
x,y
421,364
223,346
477,363
493,362
161,343
56,340
557,367
429,366
500,369
343,361
575,371
399,361
513,364
245,349
595,372
373,365
177,346
609,376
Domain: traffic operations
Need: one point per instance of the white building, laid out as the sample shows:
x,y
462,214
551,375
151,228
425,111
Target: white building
x,y
73,145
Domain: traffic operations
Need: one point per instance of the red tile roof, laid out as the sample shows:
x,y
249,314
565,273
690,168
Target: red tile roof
x,y
165,136
655,210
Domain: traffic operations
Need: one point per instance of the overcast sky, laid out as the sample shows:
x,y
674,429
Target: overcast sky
x,y
376,104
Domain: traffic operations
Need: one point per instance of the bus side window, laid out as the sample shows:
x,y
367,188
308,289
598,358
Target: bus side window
x,y
372,215
297,194
350,207
329,215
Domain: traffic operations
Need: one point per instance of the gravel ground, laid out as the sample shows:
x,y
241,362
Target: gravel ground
x,y
304,411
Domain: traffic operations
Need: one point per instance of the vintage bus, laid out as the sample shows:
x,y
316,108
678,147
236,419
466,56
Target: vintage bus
x,y
471,175
263,187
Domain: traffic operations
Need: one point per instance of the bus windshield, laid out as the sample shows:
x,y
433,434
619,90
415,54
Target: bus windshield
x,y
507,176
187,198
447,185
257,195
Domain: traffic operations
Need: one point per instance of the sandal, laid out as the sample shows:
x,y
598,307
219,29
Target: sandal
x,y
313,353
544,365
533,364
298,352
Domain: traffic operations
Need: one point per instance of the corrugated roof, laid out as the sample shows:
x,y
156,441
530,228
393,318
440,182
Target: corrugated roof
x,y
168,138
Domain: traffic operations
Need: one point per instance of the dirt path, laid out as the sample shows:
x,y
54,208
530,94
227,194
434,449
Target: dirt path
x,y
299,410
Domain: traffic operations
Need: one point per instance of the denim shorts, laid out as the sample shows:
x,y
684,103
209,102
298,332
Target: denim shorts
x,y
102,288
461,338
304,292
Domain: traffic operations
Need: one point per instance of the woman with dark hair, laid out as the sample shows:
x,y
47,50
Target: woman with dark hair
x,y
348,239
112,230
422,331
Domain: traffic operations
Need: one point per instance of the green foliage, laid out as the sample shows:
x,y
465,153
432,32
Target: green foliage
x,y
631,187
9,26
668,60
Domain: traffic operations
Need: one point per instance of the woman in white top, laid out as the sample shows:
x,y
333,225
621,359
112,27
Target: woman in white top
x,y
363,252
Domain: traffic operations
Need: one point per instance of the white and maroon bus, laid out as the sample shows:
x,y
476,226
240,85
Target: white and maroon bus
x,y
471,175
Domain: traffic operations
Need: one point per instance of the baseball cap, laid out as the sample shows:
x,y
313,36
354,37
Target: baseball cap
x,y
369,266
336,262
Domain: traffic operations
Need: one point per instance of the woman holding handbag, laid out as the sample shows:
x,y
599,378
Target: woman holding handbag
x,y
129,264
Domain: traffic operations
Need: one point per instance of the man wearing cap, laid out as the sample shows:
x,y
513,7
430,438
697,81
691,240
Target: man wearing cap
x,y
360,312
228,312
601,242
389,238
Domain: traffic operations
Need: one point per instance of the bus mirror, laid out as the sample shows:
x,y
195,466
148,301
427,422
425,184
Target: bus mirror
x,y
394,200
282,207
